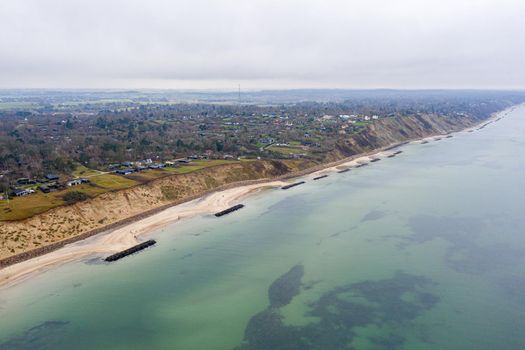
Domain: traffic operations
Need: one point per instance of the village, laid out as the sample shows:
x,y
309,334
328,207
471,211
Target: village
x,y
282,136
52,182
51,155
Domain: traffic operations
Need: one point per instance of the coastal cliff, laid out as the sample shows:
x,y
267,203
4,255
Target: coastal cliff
x,y
394,130
46,231
21,240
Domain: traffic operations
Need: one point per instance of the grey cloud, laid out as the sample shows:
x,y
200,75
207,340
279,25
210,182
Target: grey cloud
x,y
300,43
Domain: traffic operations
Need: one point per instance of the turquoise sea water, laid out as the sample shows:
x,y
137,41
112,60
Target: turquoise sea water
x,y
422,251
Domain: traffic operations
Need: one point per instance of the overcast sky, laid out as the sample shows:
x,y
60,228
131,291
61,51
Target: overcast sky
x,y
262,44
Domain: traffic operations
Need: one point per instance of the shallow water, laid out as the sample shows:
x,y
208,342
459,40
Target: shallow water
x,y
422,251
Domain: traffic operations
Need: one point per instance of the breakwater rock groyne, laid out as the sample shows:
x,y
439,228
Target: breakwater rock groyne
x,y
53,229
229,210
484,125
395,154
320,177
292,185
130,251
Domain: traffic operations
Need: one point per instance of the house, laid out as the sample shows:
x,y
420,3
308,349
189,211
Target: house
x,y
169,163
127,164
140,168
49,188
143,162
51,177
75,182
183,161
156,166
267,140
126,171
22,181
19,192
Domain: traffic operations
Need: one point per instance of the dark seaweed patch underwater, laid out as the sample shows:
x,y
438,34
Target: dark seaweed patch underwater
x,y
465,253
389,304
34,338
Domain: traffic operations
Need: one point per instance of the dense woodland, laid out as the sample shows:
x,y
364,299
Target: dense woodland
x,y
36,141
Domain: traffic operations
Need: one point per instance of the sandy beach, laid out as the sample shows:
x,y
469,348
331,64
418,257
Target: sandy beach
x,y
119,239
130,234
124,237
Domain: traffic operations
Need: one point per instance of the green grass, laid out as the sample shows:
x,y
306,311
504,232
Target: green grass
x,y
107,181
147,175
198,164
82,171
23,207
112,182
286,150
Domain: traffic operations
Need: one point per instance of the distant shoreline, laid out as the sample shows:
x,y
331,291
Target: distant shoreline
x,y
128,232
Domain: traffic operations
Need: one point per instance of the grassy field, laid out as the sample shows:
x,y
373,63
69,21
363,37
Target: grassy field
x,y
20,208
362,123
23,207
286,150
82,171
112,182
147,175
197,165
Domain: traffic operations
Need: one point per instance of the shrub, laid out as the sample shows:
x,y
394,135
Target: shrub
x,y
74,197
